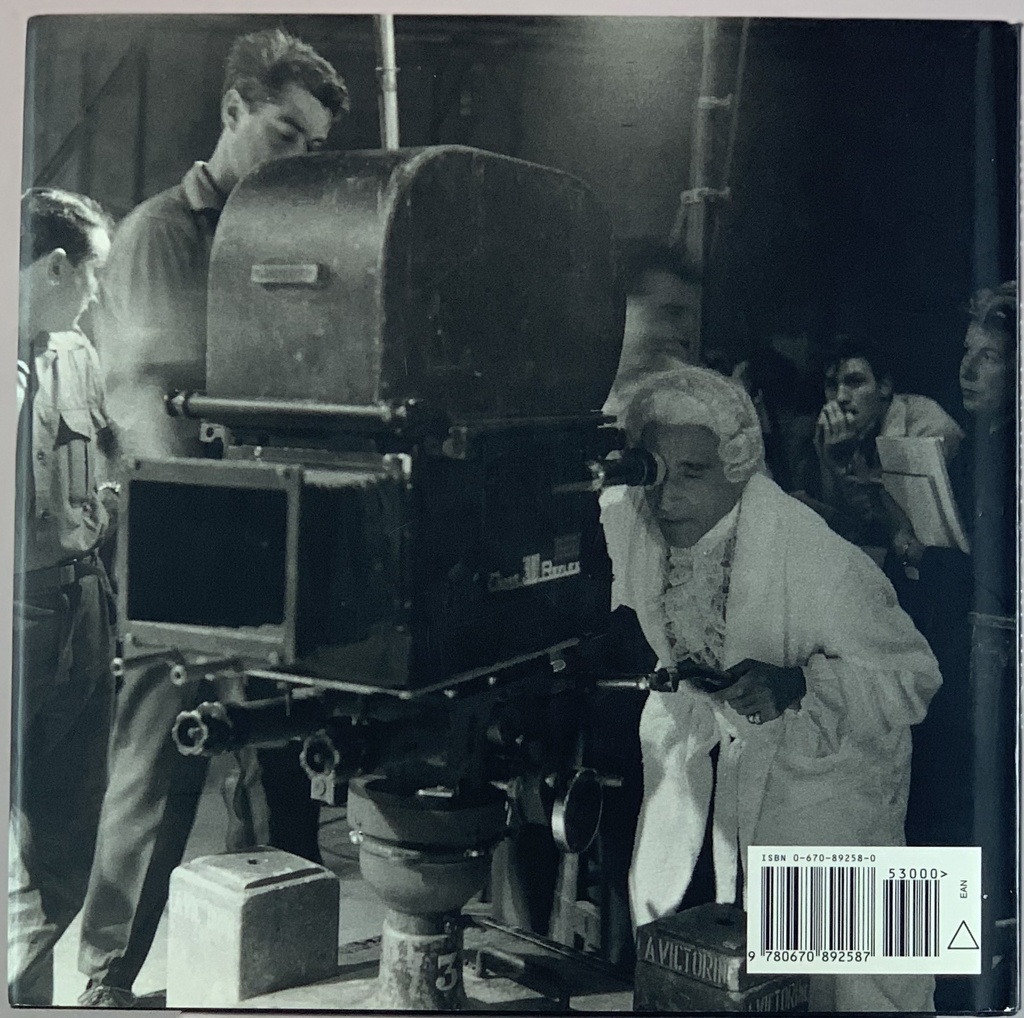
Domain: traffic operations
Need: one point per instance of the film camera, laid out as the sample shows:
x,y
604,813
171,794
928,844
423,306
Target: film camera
x,y
406,356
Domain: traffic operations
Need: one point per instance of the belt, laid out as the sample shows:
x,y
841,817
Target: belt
x,y
55,577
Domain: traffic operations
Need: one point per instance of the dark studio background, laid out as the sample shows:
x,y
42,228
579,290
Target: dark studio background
x,y
873,176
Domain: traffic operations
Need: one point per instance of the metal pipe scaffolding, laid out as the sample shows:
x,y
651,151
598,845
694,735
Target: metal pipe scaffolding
x,y
387,75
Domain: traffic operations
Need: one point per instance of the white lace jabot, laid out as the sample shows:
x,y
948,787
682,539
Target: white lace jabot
x,y
697,588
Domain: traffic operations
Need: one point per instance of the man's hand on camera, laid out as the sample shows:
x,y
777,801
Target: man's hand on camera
x,y
762,691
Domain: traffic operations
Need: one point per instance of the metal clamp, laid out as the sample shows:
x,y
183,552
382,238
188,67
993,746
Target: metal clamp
x,y
714,102
700,195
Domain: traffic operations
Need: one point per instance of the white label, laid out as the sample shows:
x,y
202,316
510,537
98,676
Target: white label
x,y
876,910
447,971
534,571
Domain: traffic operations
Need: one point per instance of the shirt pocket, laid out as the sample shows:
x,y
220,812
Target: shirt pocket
x,y
74,452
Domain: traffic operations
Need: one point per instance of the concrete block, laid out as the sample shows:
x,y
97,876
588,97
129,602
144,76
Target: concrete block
x,y
247,923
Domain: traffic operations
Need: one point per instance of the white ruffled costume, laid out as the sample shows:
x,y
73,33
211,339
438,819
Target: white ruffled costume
x,y
834,771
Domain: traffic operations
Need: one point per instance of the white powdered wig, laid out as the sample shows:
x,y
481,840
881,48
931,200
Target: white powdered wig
x,y
700,396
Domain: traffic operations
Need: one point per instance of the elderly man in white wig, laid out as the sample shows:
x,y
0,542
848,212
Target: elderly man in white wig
x,y
726,571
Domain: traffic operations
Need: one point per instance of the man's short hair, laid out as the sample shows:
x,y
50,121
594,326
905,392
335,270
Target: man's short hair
x,y
995,309
262,63
642,257
52,218
847,346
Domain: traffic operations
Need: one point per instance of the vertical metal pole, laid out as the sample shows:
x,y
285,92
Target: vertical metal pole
x,y
741,66
986,231
689,227
141,113
387,74
701,155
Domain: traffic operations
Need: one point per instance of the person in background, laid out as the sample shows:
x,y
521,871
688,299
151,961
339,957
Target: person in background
x,y
964,789
63,689
662,331
280,99
786,407
803,737
860,406
983,475
662,317
662,328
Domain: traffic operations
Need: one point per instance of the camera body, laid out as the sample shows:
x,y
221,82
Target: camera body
x,y
407,354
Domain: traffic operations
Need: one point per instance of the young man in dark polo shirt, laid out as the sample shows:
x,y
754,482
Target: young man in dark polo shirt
x,y
280,99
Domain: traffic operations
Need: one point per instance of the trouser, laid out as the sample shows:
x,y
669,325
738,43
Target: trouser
x,y
149,810
62,705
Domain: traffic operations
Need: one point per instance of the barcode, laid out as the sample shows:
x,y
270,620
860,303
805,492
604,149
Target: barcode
x,y
910,910
818,908
875,909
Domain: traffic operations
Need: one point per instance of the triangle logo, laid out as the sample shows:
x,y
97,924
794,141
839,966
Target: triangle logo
x,y
963,939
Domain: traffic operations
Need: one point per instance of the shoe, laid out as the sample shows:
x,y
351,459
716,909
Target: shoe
x,y
101,995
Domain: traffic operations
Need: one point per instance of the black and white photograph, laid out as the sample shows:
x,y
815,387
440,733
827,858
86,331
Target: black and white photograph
x,y
516,512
